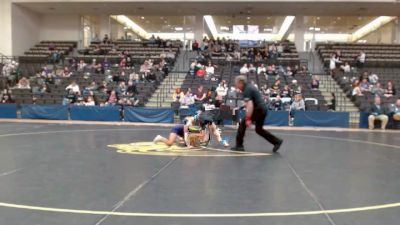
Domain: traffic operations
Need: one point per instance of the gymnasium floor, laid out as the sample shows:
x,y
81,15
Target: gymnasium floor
x,y
53,174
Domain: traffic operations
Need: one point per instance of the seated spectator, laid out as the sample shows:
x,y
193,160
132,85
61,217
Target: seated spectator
x,y
121,89
275,89
188,99
210,69
297,105
271,70
365,85
315,83
276,104
346,67
44,89
106,39
356,89
252,69
90,101
377,112
287,73
170,56
285,93
6,99
195,46
66,72
360,60
74,87
390,90
265,91
81,65
261,69
378,90
296,89
112,99
222,91
23,83
244,69
70,97
372,78
200,94
177,95
396,111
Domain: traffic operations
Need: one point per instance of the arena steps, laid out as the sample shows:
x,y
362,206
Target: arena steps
x,y
162,97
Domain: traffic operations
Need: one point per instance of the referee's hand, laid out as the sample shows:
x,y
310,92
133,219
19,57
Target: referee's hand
x,y
248,123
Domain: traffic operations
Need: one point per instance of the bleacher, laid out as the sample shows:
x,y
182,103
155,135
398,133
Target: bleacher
x,y
377,55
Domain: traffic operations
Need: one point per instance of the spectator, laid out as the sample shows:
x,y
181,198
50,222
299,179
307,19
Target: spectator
x,y
265,91
390,90
81,66
200,94
346,67
252,69
121,89
74,88
222,91
315,83
70,98
297,105
66,72
106,40
296,89
275,89
261,69
177,95
23,83
377,112
271,70
396,110
188,99
195,46
276,104
372,78
90,101
356,89
365,85
287,73
332,106
285,93
360,60
244,69
333,61
377,90
6,99
112,99
210,69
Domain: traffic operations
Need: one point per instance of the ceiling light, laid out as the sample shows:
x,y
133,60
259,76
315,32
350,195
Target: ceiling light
x,y
224,28
248,17
165,21
285,26
317,29
142,17
268,29
178,28
211,25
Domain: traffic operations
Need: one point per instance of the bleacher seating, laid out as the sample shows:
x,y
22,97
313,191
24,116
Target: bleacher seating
x,y
377,55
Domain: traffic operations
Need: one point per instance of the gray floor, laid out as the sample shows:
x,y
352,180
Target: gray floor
x,y
71,167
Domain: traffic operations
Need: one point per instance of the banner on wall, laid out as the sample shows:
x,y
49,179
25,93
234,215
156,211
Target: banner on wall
x,y
149,115
321,119
95,113
8,111
47,112
274,118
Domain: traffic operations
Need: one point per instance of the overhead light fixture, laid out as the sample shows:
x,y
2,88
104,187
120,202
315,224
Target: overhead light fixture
x,y
178,28
211,25
371,26
268,29
311,28
124,20
285,26
225,28
142,17
248,17
317,29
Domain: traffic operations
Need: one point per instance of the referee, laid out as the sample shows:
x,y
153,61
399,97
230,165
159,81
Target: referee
x,y
256,111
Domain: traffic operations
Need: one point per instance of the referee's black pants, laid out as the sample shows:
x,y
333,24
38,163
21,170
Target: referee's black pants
x,y
258,117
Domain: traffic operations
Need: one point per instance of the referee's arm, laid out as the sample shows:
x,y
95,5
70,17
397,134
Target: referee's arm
x,y
249,111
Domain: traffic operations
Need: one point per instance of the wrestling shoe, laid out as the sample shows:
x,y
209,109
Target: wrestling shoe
x,y
277,146
224,143
238,148
157,139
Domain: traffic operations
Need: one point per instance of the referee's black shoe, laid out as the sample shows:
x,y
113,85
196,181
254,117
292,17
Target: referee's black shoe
x,y
238,148
277,146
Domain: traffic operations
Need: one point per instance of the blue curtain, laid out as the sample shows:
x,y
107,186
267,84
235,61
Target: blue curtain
x,y
149,115
321,119
8,111
48,112
95,113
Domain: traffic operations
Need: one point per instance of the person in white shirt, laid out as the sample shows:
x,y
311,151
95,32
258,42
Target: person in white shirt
x,y
261,69
221,90
210,69
346,67
252,69
361,59
73,87
244,69
373,78
333,61
90,101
